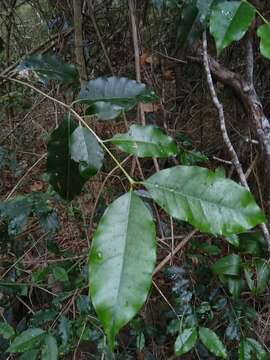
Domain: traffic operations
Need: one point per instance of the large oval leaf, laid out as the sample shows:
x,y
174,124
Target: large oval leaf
x,y
85,149
204,199
64,174
264,34
108,97
27,340
145,141
229,22
185,341
211,341
121,262
49,67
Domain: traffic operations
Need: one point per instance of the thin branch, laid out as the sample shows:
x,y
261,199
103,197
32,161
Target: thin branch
x,y
223,128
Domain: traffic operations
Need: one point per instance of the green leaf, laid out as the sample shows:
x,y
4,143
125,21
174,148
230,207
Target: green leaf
x,y
264,34
185,341
85,150
27,340
229,22
211,341
6,331
145,141
49,349
249,346
228,265
252,243
244,350
108,97
186,21
64,174
49,67
248,276
204,199
257,349
30,355
121,262
262,275
233,239
60,274
235,285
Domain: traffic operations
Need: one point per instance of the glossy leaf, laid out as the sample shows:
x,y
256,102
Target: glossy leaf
x,y
229,22
233,239
228,265
108,97
185,341
49,349
121,262
257,349
204,199
211,341
85,150
6,331
64,174
145,141
48,67
264,34
27,340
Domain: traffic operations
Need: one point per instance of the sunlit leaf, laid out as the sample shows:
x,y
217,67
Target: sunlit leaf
x,y
145,141
121,262
204,199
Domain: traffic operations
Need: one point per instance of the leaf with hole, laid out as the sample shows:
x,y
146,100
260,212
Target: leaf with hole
x,y
204,199
27,340
185,341
212,342
123,248
145,141
108,97
86,151
264,34
48,67
64,173
229,22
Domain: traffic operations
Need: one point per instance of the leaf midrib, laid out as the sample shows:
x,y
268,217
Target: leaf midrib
x,y
172,190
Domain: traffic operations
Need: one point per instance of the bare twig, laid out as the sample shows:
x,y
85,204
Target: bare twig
x,y
223,128
136,51
175,251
